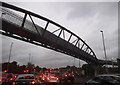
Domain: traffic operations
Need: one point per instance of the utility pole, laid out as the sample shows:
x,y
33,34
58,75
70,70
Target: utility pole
x,y
74,62
29,57
10,55
79,63
104,50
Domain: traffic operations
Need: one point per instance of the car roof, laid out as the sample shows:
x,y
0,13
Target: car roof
x,y
22,75
26,75
109,75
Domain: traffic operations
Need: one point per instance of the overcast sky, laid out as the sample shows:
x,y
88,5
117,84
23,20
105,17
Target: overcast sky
x,y
85,19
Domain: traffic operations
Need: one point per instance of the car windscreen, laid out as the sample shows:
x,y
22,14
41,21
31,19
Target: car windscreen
x,y
26,77
116,78
110,79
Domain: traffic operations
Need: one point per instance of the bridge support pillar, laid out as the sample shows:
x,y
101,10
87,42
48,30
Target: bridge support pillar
x,y
118,61
97,69
91,69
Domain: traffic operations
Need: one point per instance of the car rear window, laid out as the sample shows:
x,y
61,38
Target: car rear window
x,y
27,77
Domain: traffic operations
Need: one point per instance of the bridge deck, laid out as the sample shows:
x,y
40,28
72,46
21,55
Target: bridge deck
x,y
18,27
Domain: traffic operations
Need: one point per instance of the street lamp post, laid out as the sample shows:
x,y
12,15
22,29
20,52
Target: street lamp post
x,y
104,50
10,54
74,62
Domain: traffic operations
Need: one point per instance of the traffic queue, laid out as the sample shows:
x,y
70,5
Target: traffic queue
x,y
27,78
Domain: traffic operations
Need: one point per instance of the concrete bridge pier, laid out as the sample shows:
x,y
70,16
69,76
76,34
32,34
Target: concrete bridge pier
x,y
118,61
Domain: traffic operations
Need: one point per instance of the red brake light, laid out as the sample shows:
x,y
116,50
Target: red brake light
x,y
13,83
57,78
24,71
41,76
15,76
5,71
33,82
66,75
48,78
73,75
0,80
11,79
52,76
27,70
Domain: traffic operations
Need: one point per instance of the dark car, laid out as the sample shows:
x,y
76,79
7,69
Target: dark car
x,y
51,78
25,79
5,78
41,77
104,80
67,78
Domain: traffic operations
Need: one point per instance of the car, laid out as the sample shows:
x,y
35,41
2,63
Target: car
x,y
3,78
42,77
58,75
11,80
25,79
51,78
106,79
117,74
67,78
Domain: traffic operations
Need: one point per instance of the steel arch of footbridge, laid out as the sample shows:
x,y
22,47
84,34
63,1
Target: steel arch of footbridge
x,y
42,37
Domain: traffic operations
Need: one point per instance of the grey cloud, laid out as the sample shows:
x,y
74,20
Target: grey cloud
x,y
111,42
87,18
90,9
55,59
41,56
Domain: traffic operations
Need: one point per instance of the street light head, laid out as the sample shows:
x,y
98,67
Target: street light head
x,y
101,31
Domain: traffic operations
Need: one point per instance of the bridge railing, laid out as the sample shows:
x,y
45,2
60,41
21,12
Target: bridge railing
x,y
32,26
16,19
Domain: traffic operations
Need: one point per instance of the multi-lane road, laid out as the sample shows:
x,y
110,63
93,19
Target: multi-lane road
x,y
63,84
78,81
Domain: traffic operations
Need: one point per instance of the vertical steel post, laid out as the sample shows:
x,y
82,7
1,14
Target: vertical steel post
x,y
45,29
24,20
104,50
10,55
69,37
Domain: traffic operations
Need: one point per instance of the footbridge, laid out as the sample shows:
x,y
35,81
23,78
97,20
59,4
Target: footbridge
x,y
60,39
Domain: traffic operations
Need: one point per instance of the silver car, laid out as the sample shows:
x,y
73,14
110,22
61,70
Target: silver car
x,y
25,79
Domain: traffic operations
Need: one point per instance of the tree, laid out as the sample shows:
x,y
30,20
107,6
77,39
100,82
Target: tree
x,y
30,67
13,68
37,68
21,68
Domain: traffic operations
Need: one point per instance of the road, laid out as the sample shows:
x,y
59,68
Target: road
x,y
78,81
75,83
63,84
39,83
